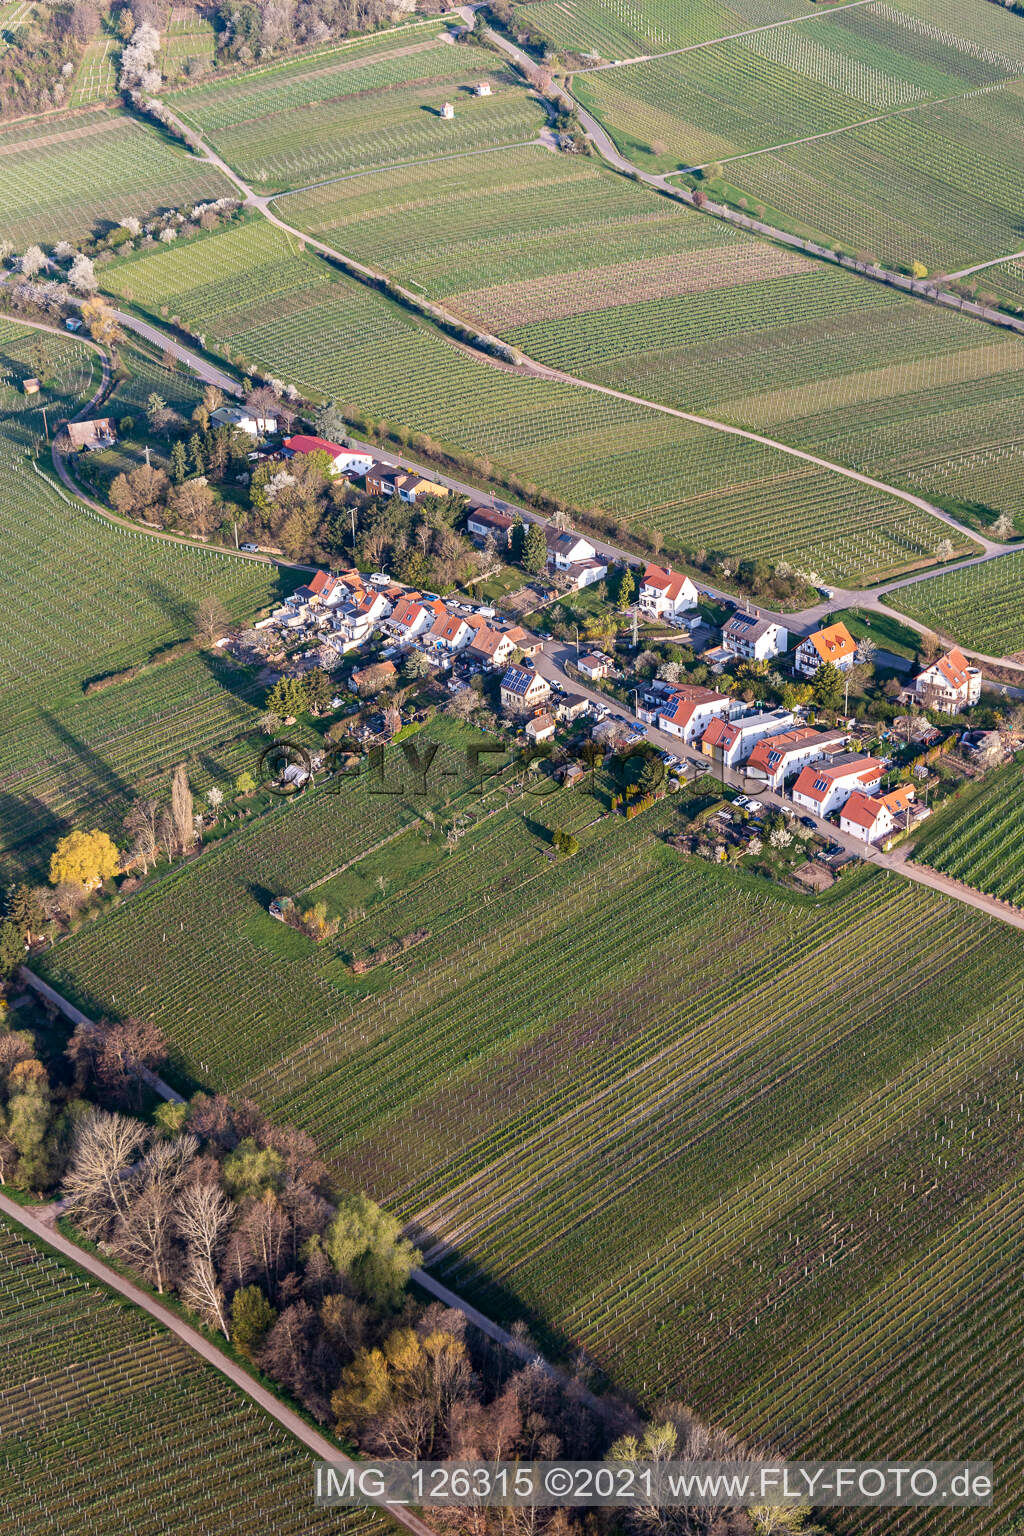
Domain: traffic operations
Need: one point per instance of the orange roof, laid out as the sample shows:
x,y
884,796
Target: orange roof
x,y
446,626
487,641
720,733
407,611
900,799
665,580
863,810
953,667
834,643
686,700
475,621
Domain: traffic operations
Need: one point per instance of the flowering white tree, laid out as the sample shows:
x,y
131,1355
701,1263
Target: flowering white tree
x,y
81,276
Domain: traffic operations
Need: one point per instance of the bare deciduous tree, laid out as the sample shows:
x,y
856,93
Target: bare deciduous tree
x,y
104,1149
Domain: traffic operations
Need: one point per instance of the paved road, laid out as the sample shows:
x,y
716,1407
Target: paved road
x,y
316,1443
551,664
996,261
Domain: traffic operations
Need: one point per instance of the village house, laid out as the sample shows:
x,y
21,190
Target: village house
x,y
834,644
372,679
826,786
392,480
664,593
756,639
522,689
450,632
571,706
732,741
595,665
492,646
777,758
344,461
872,819
574,558
689,710
413,615
524,641
238,417
482,523
949,684
482,88
540,728
87,435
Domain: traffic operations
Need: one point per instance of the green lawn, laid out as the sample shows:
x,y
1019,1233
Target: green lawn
x,y
884,629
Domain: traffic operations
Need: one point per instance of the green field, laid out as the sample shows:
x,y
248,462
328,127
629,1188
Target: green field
x,y
68,177
254,297
982,606
295,123
779,1115
915,121
978,838
82,598
109,1425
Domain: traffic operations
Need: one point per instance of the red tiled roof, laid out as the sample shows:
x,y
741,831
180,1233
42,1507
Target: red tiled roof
x,y
665,580
863,810
303,444
721,733
834,643
953,667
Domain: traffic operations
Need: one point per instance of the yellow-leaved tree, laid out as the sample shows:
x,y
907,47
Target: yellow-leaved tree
x,y
84,858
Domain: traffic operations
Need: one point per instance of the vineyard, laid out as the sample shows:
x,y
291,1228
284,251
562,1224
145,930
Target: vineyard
x,y
82,598
613,28
978,838
915,122
286,312
982,606
64,178
302,122
775,1118
108,1424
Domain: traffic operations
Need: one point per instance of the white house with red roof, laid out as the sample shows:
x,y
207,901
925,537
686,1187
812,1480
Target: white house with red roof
x,y
834,644
826,786
873,818
413,615
484,522
689,710
449,632
665,592
949,684
732,741
777,758
595,665
344,461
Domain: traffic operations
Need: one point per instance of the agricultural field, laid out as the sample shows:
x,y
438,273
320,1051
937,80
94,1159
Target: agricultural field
x,y
978,838
887,132
981,606
95,78
314,118
67,755
613,28
593,274
96,169
815,1116
262,302
129,1426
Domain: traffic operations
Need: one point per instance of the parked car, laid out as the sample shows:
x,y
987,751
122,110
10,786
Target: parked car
x,y
809,821
742,801
250,549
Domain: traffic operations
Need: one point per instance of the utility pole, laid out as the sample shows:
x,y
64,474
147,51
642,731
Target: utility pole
x,y
46,425
352,512
577,629
234,525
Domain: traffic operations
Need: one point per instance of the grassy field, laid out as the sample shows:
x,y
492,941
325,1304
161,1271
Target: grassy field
x,y
98,1400
779,1113
82,598
981,606
978,838
591,273
96,169
915,123
298,122
257,298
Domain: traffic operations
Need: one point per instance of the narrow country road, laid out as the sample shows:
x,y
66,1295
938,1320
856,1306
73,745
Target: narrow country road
x,y
539,370
316,1443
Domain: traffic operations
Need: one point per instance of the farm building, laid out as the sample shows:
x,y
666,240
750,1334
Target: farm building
x,y
447,110
834,644
343,460
245,421
595,666
482,88
30,386
86,435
